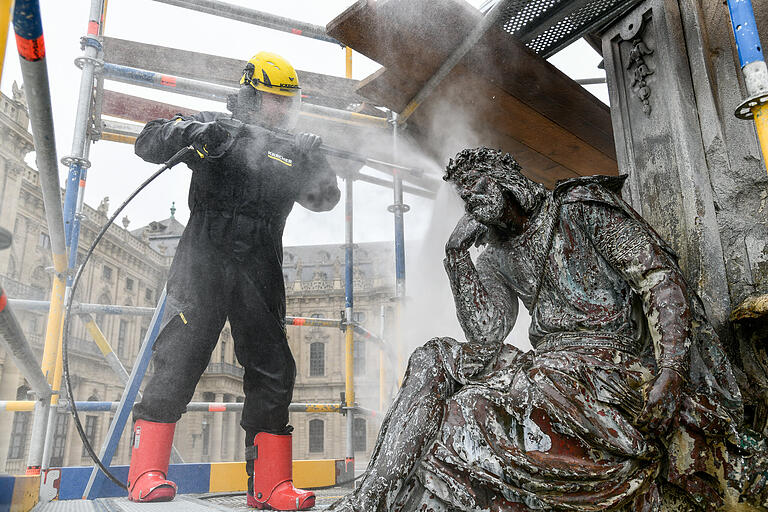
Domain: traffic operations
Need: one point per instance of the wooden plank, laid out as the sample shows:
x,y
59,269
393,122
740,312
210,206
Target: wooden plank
x,y
505,95
325,90
141,110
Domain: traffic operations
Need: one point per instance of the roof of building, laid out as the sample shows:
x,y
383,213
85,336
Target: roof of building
x,y
162,235
308,262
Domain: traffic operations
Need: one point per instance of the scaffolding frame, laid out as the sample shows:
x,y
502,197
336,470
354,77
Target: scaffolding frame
x,y
64,228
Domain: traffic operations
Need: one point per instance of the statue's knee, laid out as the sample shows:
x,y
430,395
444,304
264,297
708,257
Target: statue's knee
x,y
425,356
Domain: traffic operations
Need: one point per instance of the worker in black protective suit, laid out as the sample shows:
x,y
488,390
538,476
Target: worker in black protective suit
x,y
228,265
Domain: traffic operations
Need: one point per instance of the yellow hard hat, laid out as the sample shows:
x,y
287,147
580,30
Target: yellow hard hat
x,y
269,72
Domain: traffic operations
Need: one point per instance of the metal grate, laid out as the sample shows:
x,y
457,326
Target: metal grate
x,y
547,26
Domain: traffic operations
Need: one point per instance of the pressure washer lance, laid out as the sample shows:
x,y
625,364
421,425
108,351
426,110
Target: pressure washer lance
x,y
175,159
238,129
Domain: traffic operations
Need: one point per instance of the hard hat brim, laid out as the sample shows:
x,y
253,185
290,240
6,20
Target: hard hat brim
x,y
280,91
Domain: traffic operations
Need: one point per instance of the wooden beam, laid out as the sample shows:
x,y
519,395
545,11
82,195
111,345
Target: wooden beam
x,y
140,110
500,95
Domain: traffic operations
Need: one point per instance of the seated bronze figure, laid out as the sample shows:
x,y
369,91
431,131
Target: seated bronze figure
x,y
627,400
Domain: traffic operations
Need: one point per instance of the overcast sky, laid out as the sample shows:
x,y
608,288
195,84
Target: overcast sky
x,y
116,170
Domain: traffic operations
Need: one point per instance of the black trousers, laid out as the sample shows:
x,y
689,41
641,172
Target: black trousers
x,y
226,267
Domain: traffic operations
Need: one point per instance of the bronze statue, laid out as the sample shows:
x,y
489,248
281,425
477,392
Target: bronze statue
x,y
627,399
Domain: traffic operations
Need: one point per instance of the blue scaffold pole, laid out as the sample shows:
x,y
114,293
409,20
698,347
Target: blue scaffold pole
x,y
130,392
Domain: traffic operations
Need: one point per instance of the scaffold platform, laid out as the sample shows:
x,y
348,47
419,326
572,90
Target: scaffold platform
x,y
184,503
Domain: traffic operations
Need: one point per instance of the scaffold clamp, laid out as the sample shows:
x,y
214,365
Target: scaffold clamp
x,y
81,61
76,160
744,111
90,41
398,208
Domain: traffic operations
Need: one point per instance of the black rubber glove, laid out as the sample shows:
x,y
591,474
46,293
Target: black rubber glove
x,y
306,142
205,135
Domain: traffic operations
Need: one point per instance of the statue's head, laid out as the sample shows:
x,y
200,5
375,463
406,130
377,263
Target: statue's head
x,y
492,186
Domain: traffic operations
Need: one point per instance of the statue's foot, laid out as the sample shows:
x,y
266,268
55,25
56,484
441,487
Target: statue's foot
x,y
755,470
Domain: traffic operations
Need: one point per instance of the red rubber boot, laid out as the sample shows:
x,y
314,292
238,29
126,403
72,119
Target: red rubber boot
x,y
273,475
149,462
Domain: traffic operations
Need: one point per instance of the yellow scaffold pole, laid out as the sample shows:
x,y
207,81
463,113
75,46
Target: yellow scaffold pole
x,y
753,68
5,21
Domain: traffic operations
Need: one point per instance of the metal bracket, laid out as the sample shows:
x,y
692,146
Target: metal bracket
x,y
90,41
75,160
81,61
401,208
744,111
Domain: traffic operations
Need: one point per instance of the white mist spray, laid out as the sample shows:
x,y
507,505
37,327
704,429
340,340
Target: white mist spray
x,y
430,310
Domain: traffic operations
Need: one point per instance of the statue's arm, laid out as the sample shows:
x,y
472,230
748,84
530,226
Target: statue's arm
x,y
653,274
485,305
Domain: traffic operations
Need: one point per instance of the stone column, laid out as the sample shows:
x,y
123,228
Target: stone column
x,y
659,143
234,450
217,430
695,171
240,442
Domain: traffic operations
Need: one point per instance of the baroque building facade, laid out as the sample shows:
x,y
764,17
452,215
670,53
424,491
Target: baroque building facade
x,y
130,268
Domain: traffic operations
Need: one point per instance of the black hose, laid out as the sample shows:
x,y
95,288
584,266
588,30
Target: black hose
x,y
175,159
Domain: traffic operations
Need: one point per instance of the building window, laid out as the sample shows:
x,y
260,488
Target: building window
x,y
101,317
18,442
358,435
358,317
59,439
316,435
44,241
148,294
359,357
121,338
91,422
106,272
128,283
316,315
317,359
19,435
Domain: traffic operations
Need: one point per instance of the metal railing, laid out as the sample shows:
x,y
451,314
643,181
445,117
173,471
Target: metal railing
x,y
224,369
17,289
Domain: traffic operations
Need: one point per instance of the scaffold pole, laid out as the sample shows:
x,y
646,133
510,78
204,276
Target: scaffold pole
x,y
236,12
215,92
15,344
398,209
5,18
126,401
753,68
28,28
382,366
349,360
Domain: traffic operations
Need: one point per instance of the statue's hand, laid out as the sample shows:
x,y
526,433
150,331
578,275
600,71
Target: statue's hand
x,y
663,402
468,231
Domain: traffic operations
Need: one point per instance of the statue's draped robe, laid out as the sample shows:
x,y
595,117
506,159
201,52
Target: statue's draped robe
x,y
554,428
